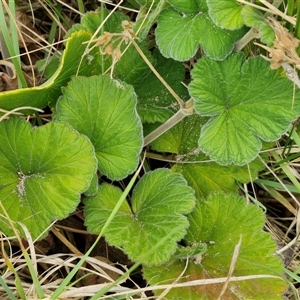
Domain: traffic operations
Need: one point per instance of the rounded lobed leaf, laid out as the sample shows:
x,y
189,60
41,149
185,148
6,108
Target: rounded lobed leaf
x,y
105,111
179,36
203,176
242,110
158,204
220,222
43,171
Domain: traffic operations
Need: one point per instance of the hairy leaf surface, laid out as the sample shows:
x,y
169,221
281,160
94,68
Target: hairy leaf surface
x,y
241,98
43,171
226,13
179,36
220,221
158,205
105,111
200,172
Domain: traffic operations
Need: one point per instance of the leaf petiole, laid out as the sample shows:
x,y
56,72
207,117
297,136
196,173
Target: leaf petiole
x,y
180,115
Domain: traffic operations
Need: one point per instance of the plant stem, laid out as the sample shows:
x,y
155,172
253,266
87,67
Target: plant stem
x,y
101,33
248,37
181,114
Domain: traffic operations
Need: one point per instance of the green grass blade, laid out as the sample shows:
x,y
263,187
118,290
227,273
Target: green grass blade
x,y
58,13
36,283
18,282
7,289
276,185
287,171
64,284
81,6
11,41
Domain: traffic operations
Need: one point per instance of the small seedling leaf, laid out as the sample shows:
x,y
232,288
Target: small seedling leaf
x,y
44,171
159,202
190,252
92,20
219,222
105,111
242,110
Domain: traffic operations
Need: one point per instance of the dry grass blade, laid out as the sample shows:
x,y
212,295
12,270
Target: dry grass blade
x,y
177,279
270,9
232,266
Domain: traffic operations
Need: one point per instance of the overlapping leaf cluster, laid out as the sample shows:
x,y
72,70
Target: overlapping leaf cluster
x,y
99,117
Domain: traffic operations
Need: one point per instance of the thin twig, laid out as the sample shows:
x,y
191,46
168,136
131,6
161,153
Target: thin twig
x,y
270,9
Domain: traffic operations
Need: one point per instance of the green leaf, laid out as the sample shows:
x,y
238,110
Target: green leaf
x,y
105,111
72,62
43,171
226,13
48,66
219,222
242,100
179,36
207,177
182,139
158,204
216,42
254,18
131,60
201,174
155,103
188,7
93,188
